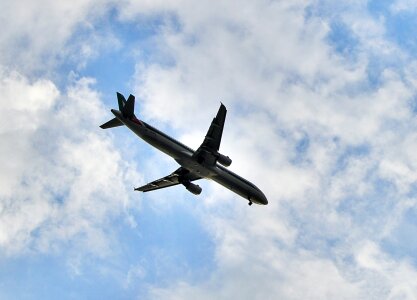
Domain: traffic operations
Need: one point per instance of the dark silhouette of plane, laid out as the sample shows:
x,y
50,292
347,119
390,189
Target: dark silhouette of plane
x,y
205,162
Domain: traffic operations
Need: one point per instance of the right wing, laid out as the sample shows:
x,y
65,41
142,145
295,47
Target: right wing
x,y
179,176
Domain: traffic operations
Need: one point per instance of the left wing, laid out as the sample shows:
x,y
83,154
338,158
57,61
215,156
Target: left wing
x,y
215,132
181,175
209,149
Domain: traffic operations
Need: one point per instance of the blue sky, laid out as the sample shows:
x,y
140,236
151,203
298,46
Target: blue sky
x,y
321,116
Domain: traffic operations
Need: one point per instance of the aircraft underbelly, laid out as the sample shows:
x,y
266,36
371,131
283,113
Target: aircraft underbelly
x,y
159,142
189,163
239,186
232,184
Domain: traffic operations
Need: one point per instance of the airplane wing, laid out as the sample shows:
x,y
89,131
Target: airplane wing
x,y
179,176
214,134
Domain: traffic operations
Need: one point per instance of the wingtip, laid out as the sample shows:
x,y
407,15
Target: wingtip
x,y
223,107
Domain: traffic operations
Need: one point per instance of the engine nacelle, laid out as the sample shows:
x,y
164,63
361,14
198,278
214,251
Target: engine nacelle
x,y
224,160
193,188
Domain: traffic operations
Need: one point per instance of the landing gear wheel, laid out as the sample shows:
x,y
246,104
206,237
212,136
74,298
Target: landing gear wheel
x,y
250,203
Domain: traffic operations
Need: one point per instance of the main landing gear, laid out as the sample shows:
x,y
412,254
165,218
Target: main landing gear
x,y
250,203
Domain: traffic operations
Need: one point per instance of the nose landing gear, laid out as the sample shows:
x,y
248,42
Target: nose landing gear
x,y
250,203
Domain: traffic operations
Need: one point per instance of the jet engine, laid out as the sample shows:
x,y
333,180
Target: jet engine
x,y
224,160
193,188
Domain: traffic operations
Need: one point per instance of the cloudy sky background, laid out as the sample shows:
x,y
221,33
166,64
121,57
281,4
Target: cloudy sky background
x,y
322,104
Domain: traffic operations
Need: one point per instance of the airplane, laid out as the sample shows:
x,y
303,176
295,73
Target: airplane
x,y
206,162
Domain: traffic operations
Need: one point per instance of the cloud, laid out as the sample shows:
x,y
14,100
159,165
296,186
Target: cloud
x,y
60,173
403,6
383,270
331,149
329,139
26,103
36,37
268,282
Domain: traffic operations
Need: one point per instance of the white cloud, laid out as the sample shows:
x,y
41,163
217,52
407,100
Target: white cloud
x,y
403,6
62,179
282,82
36,34
386,272
23,108
284,276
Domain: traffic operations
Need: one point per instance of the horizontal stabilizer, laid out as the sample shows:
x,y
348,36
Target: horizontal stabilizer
x,y
112,123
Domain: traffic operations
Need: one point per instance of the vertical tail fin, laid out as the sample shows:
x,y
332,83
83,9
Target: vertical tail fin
x,y
129,107
126,108
121,100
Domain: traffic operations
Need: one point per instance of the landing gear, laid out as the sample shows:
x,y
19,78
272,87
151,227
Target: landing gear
x,y
250,203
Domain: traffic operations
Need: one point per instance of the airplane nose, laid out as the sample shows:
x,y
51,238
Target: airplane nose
x,y
261,199
264,201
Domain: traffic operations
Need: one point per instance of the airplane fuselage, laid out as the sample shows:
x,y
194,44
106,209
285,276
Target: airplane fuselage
x,y
183,155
